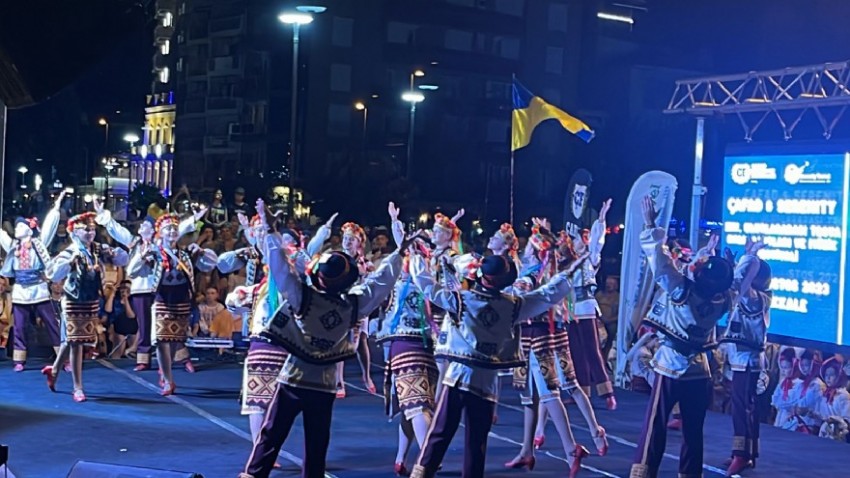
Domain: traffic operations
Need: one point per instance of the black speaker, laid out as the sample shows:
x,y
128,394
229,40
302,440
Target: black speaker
x,y
90,469
47,44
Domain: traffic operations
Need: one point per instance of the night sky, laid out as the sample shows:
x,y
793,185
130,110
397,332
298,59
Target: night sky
x,y
705,38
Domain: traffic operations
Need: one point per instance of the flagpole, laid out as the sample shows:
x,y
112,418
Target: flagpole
x,y
512,187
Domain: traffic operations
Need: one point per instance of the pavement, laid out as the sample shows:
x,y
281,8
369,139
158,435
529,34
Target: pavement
x,y
200,430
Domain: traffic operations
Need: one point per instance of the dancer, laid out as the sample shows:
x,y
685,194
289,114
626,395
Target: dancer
x,y
584,337
548,366
251,257
142,288
354,242
313,324
486,317
411,371
26,260
80,265
173,275
257,303
685,316
746,335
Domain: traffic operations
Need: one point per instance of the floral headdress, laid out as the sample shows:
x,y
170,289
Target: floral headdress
x,y
84,219
166,219
442,221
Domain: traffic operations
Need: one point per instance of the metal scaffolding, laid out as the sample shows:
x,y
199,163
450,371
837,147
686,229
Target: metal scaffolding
x,y
785,95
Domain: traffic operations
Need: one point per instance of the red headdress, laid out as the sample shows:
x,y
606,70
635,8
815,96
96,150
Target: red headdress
x,y
443,221
166,219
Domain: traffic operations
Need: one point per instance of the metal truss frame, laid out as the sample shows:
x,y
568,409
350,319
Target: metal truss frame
x,y
786,95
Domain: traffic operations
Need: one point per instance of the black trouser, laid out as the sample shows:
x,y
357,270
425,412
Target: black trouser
x,y
287,403
745,420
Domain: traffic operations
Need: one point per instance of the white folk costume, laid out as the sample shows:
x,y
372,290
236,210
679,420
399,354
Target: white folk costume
x,y
80,265
584,336
746,336
481,338
685,317
26,260
173,273
834,406
143,287
313,324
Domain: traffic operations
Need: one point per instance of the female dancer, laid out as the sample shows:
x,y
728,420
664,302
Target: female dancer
x,y
548,366
80,266
173,274
411,371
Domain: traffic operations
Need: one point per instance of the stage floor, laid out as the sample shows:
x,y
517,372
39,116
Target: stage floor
x,y
125,421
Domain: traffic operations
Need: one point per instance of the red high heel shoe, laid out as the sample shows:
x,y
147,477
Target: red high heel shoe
x,y
521,462
579,454
79,396
611,403
167,389
601,442
51,379
141,367
189,367
19,367
400,469
538,441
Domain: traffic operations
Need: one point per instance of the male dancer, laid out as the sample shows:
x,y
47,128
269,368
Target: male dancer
x,y
313,323
26,260
685,316
584,337
746,334
142,288
480,339
173,274
80,266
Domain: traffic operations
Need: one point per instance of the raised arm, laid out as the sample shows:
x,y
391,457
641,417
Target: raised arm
x,y
597,234
187,226
652,240
544,297
322,235
116,231
51,222
378,285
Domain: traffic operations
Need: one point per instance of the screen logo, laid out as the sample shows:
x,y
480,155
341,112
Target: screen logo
x,y
743,173
797,175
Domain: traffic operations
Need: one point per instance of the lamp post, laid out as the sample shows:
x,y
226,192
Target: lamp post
x,y
411,97
131,138
108,165
302,16
105,124
360,106
23,170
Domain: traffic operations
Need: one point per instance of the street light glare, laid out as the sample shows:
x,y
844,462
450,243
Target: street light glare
x,y
295,18
429,87
23,170
412,97
102,121
131,138
359,106
419,73
311,8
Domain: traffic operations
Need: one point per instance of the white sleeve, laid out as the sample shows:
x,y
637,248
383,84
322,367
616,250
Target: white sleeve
x,y
115,230
230,261
60,266
378,285
597,242
666,275
5,240
48,229
544,297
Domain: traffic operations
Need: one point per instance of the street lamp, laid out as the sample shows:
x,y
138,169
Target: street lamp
x,y
108,165
302,15
131,138
23,170
411,97
359,106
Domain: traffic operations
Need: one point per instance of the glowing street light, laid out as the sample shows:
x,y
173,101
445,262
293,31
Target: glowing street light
x,y
413,97
302,15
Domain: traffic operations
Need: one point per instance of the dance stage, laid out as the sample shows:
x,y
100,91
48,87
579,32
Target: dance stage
x,y
200,430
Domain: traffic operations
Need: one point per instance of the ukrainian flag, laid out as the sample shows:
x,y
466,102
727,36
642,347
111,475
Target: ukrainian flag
x,y
530,110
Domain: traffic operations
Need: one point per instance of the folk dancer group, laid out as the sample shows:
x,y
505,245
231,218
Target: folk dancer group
x,y
449,322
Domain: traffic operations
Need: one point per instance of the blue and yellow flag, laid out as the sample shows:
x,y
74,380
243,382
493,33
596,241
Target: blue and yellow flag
x,y
530,110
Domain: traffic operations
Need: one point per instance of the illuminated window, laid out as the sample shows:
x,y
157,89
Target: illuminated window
x,y
165,47
163,75
167,19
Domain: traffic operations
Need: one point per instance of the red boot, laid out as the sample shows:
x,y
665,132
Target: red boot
x,y
738,465
601,442
521,462
400,469
611,402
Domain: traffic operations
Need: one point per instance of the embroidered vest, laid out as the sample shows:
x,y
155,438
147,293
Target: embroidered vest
x,y
748,323
687,319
